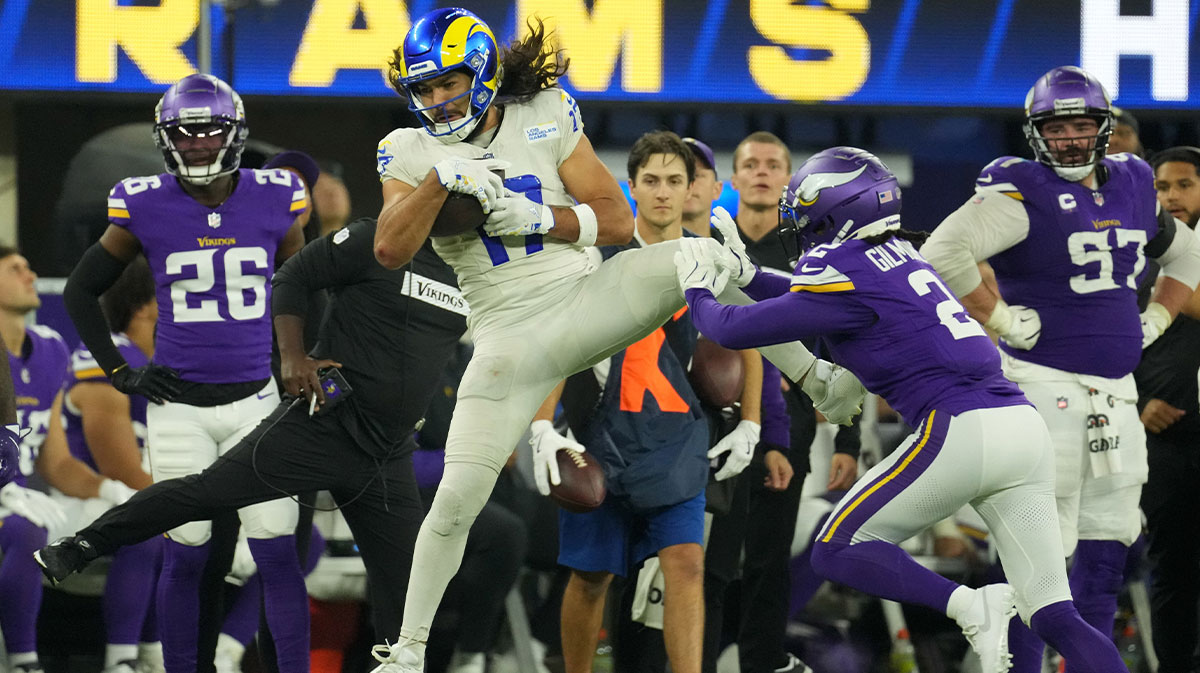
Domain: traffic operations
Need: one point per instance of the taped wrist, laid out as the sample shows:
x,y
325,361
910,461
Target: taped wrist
x,y
1000,321
97,270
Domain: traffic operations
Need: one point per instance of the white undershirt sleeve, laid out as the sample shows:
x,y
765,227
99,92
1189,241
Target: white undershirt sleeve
x,y
988,224
1181,259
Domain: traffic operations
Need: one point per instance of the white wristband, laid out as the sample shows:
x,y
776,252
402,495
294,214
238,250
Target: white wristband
x,y
588,227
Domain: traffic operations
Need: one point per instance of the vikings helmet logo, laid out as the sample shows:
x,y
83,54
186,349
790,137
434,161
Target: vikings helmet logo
x,y
811,186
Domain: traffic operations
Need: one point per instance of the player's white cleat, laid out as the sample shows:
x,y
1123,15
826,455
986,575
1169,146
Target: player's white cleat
x,y
396,659
985,624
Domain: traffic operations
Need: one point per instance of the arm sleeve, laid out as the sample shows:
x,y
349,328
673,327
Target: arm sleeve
x,y
990,223
767,283
96,272
776,424
1176,249
849,438
330,261
789,317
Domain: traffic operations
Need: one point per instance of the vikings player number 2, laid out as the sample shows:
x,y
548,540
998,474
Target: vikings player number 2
x,y
949,311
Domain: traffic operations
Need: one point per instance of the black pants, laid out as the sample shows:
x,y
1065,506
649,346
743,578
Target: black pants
x,y
291,453
1171,502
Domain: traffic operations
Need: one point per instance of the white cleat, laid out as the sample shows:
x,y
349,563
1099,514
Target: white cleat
x,y
985,625
394,659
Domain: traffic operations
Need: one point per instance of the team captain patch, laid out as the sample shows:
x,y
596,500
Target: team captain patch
x,y
536,134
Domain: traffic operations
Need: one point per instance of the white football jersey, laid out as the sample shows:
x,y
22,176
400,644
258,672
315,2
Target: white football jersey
x,y
534,138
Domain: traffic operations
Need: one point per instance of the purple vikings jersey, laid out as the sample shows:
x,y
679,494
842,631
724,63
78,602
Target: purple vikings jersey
x,y
211,268
39,373
1080,264
84,369
886,316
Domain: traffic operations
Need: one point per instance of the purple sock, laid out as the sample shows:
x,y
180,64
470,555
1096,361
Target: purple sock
x,y
285,600
1083,647
1026,648
242,621
20,582
1096,579
127,595
150,621
179,604
882,569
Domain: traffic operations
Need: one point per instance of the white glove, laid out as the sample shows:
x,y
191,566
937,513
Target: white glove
x,y
735,260
695,269
514,214
115,491
1155,320
739,444
33,505
243,565
546,443
1018,326
473,177
835,392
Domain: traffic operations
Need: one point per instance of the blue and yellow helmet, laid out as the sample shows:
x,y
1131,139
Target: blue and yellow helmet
x,y
443,41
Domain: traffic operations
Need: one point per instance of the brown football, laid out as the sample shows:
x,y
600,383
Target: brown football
x,y
717,374
459,215
582,482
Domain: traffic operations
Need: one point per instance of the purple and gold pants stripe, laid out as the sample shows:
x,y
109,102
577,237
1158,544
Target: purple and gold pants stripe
x,y
913,461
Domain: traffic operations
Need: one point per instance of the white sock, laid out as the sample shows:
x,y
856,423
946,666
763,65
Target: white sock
x,y
22,659
959,603
116,653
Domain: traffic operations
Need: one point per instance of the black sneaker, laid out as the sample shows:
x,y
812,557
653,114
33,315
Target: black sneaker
x,y
794,665
64,556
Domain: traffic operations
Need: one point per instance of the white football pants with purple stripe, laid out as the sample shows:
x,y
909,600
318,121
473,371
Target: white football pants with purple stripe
x,y
1000,461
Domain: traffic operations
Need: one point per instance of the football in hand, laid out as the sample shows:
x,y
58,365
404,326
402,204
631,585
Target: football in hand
x,y
581,487
717,374
460,214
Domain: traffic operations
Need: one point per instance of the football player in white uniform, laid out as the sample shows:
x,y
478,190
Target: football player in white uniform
x,y
540,308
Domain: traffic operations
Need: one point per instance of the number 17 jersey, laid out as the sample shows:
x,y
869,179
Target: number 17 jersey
x,y
211,268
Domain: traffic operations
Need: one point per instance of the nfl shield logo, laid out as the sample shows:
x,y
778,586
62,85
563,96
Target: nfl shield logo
x,y
1098,198
1062,403
214,220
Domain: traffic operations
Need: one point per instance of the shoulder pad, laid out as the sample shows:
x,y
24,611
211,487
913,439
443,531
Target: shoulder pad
x,y
1124,163
46,333
1008,176
815,273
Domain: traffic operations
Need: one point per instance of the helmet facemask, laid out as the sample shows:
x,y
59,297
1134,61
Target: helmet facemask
x,y
200,117
445,41
1049,150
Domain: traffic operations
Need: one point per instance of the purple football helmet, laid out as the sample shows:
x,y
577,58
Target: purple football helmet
x,y
1068,91
200,113
835,193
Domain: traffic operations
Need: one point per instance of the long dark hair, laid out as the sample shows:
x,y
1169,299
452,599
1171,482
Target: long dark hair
x,y
914,237
531,64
